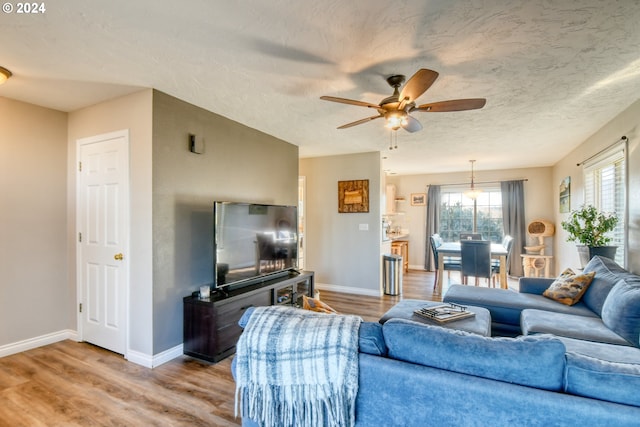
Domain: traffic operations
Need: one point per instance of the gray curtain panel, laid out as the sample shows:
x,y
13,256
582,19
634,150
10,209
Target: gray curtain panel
x,y
431,226
513,222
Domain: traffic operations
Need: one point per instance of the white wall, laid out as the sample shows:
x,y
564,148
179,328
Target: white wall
x,y
343,257
538,200
132,112
36,295
625,124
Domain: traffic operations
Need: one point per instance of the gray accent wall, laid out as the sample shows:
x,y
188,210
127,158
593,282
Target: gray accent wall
x,y
238,164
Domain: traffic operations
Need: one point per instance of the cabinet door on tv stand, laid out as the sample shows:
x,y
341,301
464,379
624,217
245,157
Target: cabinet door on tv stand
x,y
227,317
199,329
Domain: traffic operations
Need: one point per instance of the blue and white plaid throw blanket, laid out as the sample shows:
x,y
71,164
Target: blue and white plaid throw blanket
x,y
298,368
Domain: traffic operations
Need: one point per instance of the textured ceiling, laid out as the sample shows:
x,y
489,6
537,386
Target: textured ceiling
x,y
553,72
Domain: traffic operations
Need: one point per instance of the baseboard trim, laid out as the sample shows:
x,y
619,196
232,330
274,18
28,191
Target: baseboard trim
x,y
153,361
31,343
347,290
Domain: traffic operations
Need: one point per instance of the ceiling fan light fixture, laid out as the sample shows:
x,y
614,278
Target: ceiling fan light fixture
x,y
396,119
4,75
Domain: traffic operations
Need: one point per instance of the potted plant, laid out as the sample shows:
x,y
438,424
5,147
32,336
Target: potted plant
x,y
589,228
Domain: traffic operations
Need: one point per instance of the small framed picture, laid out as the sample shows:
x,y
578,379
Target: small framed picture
x,y
565,195
418,199
353,196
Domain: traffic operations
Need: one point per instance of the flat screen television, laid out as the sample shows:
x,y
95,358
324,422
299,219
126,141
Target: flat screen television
x,y
253,242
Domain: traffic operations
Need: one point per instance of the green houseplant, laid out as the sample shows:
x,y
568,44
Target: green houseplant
x,y
589,227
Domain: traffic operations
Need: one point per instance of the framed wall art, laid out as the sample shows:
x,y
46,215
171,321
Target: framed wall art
x,y
565,195
418,199
353,196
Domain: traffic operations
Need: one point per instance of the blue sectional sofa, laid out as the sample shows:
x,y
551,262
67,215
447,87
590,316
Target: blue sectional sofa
x,y
414,374
608,312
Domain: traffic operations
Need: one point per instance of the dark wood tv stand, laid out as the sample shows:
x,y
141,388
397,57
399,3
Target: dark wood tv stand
x,y
211,328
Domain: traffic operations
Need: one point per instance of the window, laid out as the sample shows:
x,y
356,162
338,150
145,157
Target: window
x,y
605,188
459,214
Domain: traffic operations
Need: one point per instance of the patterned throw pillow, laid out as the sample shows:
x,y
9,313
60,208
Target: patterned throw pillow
x,y
569,287
316,305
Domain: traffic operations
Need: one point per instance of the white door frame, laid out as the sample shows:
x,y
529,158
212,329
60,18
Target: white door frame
x,y
79,288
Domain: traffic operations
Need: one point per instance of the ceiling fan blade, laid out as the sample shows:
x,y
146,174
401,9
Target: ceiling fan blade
x,y
417,85
412,125
359,122
453,105
349,101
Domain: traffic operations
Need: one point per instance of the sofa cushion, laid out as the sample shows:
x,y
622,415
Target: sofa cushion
x,y
505,305
621,309
536,361
569,287
598,350
600,379
371,339
568,325
607,274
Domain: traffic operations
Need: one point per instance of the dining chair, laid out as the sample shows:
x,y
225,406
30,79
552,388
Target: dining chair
x,y
476,260
448,263
507,243
470,236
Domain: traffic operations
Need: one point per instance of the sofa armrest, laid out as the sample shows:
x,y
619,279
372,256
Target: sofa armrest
x,y
534,285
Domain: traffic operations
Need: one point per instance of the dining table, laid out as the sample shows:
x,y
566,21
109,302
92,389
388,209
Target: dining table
x,y
453,249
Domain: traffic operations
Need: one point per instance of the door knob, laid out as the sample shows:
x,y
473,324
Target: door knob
x,y
118,257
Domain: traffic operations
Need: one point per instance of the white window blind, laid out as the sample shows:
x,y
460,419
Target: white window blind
x,y
605,188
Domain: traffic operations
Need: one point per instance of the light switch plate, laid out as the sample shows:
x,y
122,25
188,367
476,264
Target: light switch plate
x,y
363,227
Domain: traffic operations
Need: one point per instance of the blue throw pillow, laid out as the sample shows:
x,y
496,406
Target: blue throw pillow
x,y
621,310
607,274
535,361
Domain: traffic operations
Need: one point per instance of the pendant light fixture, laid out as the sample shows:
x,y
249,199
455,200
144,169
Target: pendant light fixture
x,y
473,192
4,75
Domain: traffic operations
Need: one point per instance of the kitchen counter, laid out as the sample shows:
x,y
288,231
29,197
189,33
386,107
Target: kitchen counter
x,y
398,236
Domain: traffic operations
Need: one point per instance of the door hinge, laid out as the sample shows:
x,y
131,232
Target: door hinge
x,y
80,307
80,237
79,166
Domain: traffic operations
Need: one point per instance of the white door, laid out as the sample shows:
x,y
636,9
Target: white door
x,y
103,239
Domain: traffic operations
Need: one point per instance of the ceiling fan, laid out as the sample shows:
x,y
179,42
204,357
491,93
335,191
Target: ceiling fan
x,y
396,108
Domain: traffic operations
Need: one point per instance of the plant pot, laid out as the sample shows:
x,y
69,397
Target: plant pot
x,y
604,251
587,252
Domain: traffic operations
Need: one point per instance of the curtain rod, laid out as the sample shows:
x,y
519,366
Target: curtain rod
x,y
481,182
623,138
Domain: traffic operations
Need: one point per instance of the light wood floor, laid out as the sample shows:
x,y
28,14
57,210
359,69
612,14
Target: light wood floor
x,y
77,384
